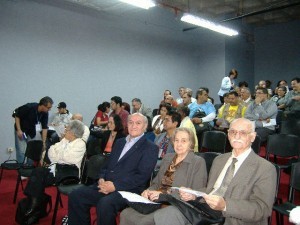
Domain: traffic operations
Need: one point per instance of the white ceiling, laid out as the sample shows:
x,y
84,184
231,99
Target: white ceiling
x,y
217,10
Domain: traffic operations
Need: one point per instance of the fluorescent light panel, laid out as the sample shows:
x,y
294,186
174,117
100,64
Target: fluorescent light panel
x,y
208,24
145,4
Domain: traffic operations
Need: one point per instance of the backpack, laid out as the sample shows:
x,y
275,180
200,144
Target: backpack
x,y
23,206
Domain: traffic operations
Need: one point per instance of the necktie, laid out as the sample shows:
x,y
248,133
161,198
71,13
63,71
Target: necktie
x,y
227,179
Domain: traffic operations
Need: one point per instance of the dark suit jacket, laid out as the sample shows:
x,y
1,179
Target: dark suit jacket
x,y
251,193
134,169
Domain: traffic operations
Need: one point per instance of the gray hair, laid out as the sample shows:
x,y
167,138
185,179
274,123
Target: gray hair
x,y
77,128
190,134
145,119
246,89
189,92
251,124
137,100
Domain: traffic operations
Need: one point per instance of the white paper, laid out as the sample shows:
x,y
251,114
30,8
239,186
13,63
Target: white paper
x,y
197,193
271,123
132,197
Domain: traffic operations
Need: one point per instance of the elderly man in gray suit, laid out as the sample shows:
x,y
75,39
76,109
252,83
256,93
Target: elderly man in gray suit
x,y
249,195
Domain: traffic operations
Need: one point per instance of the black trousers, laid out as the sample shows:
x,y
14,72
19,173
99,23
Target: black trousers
x,y
107,206
40,179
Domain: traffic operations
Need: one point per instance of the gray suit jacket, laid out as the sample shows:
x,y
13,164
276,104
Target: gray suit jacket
x,y
192,173
251,193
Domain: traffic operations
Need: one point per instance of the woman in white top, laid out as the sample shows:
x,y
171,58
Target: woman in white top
x,y
157,122
227,84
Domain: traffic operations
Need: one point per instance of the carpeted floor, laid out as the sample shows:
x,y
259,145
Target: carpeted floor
x,y
8,209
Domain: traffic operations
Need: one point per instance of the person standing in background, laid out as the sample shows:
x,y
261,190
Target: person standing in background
x,y
31,122
227,84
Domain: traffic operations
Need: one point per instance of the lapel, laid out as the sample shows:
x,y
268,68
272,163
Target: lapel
x,y
133,149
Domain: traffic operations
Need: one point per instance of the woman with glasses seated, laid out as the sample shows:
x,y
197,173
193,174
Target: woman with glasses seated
x,y
70,150
182,168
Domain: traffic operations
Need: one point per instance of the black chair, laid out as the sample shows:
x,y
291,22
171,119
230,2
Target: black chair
x,y
209,158
256,144
214,141
279,118
290,126
33,151
286,207
217,107
285,147
93,165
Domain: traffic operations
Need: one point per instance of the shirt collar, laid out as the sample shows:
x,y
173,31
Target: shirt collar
x,y
129,139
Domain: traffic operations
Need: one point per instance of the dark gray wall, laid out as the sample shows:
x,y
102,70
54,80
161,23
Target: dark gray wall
x,y
277,52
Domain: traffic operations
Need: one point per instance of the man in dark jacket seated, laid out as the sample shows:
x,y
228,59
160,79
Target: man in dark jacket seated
x,y
129,168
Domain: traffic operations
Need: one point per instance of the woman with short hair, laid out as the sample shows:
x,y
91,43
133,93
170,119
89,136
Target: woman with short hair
x,y
182,168
70,150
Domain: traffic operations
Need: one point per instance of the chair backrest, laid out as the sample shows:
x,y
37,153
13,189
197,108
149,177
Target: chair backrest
x,y
294,181
217,107
94,165
283,145
291,126
256,144
34,150
214,141
209,158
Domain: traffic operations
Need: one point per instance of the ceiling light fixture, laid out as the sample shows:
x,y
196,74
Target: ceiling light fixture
x,y
207,24
145,4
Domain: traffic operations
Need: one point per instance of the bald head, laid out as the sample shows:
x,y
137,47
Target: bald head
x,y
77,116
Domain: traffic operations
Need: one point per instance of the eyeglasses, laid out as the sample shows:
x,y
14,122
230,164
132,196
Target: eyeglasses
x,y
242,133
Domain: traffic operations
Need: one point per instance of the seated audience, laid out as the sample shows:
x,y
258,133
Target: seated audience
x,y
170,100
241,85
138,106
262,111
209,99
229,112
59,122
187,123
70,150
186,99
279,98
105,140
116,106
157,122
163,140
86,133
126,106
202,114
182,168
241,184
128,168
101,117
181,90
245,96
269,88
285,84
293,97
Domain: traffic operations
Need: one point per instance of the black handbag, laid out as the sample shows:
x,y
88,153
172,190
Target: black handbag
x,y
23,206
196,212
66,174
205,126
144,208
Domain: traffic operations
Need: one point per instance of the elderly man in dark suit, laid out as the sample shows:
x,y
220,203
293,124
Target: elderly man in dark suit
x,y
248,196
129,168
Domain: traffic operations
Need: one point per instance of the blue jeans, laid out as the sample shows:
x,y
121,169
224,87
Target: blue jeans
x,y
21,145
